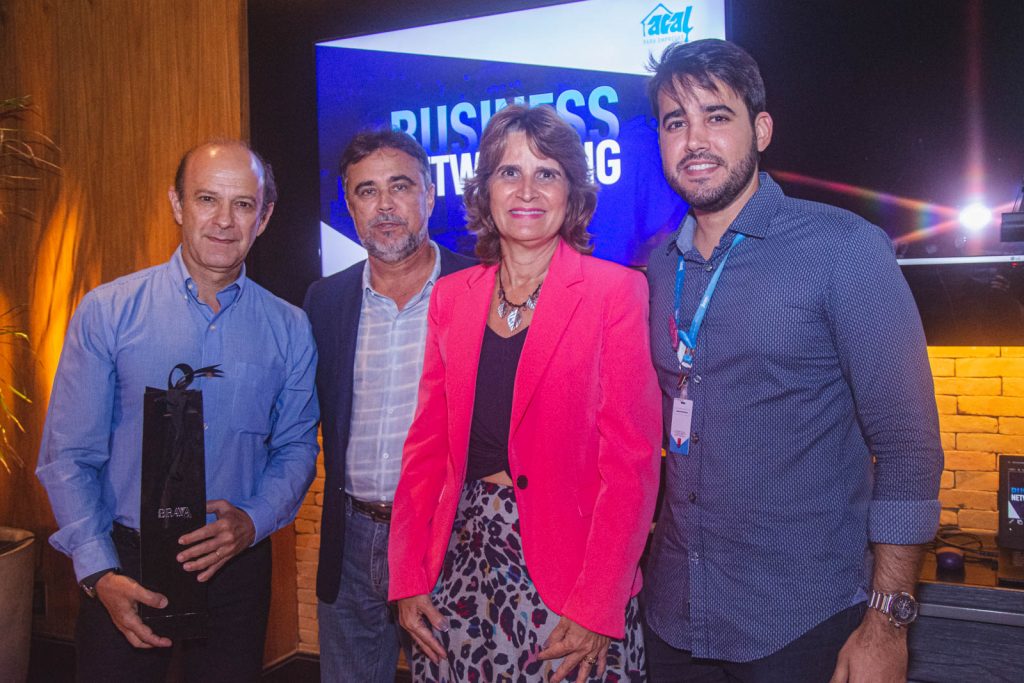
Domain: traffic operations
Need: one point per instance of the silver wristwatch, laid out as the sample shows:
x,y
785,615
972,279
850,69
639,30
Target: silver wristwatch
x,y
901,608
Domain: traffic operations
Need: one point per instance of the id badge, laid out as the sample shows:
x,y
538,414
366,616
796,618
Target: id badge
x,y
679,432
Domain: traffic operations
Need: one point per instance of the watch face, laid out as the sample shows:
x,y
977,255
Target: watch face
x,y
903,609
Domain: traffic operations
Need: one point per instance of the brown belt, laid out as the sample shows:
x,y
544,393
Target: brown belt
x,y
378,512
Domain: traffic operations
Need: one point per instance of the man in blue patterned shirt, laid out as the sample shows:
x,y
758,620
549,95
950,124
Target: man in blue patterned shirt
x,y
200,309
803,455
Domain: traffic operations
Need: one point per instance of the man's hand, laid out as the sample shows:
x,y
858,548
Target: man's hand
x,y
217,542
411,615
121,596
875,653
578,645
877,650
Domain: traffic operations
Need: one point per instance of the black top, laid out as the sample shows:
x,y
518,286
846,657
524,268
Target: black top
x,y
492,408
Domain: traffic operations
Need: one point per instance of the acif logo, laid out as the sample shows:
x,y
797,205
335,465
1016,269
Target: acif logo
x,y
662,24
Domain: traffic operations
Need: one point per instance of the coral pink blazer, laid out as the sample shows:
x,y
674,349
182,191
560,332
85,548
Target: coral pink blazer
x,y
584,445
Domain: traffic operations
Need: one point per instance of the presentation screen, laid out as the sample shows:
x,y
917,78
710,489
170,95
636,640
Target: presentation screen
x,y
441,84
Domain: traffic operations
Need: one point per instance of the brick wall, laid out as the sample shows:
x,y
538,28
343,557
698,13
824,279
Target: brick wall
x,y
307,546
980,393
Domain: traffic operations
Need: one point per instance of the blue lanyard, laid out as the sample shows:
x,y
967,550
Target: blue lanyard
x,y
688,339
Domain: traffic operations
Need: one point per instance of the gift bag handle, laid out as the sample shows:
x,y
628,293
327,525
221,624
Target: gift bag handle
x,y
188,374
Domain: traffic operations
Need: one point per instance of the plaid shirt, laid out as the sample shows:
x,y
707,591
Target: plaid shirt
x,y
386,374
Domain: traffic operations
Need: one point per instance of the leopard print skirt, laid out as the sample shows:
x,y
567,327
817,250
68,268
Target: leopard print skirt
x,y
497,621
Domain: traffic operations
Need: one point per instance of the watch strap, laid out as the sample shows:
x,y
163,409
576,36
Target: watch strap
x,y
881,601
88,584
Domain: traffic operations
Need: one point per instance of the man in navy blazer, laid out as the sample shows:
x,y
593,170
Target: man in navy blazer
x,y
370,325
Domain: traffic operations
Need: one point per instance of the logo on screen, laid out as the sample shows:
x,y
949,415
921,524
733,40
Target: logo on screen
x,y
1016,511
661,25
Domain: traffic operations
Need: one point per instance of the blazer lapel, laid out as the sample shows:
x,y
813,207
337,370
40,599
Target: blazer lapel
x,y
466,334
347,326
344,331
555,308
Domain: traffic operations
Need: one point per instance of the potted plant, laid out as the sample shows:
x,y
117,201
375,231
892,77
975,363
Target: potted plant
x,y
17,546
25,156
17,566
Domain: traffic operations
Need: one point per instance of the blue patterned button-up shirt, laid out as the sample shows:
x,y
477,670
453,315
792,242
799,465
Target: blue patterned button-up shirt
x,y
811,360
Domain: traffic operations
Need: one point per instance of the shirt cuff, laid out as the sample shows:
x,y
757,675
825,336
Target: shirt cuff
x,y
903,522
93,556
263,519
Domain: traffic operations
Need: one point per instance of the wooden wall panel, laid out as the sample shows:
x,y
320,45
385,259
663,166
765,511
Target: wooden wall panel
x,y
123,88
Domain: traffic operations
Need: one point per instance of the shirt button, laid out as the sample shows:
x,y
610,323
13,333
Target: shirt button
x,y
386,456
696,379
693,497
206,425
391,411
213,327
708,268
522,481
694,437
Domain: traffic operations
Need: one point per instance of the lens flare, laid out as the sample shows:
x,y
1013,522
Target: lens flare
x,y
975,216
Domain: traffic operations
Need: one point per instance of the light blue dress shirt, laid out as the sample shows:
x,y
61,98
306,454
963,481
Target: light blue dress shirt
x,y
260,417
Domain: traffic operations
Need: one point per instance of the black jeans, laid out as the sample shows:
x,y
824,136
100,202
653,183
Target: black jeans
x,y
239,601
811,658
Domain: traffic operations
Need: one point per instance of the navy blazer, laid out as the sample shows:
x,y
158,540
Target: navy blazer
x,y
333,305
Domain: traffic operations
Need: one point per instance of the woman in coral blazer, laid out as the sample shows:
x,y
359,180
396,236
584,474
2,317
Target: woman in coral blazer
x,y
531,468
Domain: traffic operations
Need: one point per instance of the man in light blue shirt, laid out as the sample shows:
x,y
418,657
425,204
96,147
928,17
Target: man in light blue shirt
x,y
260,427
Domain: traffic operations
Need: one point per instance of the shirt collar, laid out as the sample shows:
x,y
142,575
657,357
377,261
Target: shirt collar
x,y
183,280
434,274
754,219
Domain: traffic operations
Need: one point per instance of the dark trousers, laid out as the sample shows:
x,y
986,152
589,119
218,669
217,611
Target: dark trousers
x,y
239,601
808,659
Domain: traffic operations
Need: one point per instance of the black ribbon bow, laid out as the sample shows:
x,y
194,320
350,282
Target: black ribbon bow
x,y
188,374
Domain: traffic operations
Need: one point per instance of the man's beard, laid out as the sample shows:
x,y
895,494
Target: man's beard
x,y
711,199
393,251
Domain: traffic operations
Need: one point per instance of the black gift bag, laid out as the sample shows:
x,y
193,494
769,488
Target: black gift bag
x,y
173,502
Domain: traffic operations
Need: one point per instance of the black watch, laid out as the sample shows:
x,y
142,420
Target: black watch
x,y
901,608
88,584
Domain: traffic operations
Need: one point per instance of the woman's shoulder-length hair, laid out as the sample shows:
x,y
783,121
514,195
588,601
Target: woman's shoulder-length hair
x,y
549,136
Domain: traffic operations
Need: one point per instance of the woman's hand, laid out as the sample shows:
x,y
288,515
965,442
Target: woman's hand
x,y
411,614
579,646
